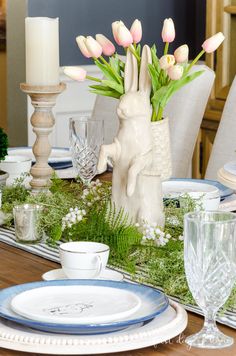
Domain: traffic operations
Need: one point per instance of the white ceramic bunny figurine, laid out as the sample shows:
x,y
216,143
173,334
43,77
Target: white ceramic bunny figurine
x,y
135,187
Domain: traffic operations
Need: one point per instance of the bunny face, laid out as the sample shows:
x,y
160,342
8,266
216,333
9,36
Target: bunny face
x,y
134,105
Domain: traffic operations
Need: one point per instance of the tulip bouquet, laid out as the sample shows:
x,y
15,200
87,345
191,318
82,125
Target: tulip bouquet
x,y
168,73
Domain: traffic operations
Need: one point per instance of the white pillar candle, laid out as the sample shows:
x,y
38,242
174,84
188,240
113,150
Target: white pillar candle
x,y
42,51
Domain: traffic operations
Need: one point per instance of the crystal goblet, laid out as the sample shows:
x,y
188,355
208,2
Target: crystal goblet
x,y
210,265
86,138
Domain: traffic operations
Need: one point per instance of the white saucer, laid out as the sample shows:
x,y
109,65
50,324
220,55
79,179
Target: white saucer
x,y
107,274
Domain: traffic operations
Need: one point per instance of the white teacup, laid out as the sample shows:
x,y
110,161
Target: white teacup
x,y
83,259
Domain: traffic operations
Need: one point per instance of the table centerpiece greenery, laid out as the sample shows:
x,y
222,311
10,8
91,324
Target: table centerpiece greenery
x,y
149,253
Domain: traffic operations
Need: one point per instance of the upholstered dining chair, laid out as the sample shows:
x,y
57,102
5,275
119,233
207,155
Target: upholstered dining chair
x,y
224,146
185,111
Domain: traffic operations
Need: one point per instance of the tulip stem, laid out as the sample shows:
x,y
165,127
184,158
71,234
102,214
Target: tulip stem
x,y
154,115
195,60
132,50
93,78
159,113
116,75
157,116
104,61
166,48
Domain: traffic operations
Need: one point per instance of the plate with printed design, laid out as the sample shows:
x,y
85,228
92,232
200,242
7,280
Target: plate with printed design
x,y
81,306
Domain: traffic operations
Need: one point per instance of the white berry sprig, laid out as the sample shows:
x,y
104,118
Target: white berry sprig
x,y
153,232
73,217
93,193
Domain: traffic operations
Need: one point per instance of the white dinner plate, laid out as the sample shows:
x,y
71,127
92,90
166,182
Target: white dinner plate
x,y
59,158
76,304
159,330
206,196
230,167
224,190
175,188
107,274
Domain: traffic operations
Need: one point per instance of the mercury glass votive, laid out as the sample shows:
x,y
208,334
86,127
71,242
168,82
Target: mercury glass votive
x,y
27,223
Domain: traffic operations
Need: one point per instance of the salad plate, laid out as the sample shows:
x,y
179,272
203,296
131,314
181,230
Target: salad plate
x,y
152,303
76,304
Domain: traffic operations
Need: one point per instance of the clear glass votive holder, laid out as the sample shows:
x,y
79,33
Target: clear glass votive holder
x,y
27,223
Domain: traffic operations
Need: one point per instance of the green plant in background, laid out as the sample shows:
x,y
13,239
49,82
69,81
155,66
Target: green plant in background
x,y
3,144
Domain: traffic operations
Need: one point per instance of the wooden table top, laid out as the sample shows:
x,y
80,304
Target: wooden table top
x,y
17,266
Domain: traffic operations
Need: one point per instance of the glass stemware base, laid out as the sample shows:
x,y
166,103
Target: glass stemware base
x,y
209,339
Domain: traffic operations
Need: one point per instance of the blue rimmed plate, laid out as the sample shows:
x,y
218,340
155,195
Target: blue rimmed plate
x,y
224,191
152,303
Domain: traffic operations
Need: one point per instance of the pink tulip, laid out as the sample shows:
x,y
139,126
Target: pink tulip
x,y
76,73
136,31
212,43
81,43
94,48
108,48
181,54
175,72
168,31
115,26
124,36
167,61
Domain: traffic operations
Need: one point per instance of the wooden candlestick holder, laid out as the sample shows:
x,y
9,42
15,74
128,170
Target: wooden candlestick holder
x,y
43,98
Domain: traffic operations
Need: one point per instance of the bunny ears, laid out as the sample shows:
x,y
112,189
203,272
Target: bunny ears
x,y
131,72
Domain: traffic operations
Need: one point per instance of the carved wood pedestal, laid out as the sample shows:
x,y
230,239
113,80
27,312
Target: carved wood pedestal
x,y
43,99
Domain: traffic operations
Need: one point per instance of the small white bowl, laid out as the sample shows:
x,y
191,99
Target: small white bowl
x,y
207,195
16,165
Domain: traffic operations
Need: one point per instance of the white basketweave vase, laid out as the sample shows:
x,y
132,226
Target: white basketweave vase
x,y
161,148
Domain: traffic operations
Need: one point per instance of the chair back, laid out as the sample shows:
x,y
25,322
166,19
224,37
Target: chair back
x,y
224,146
185,111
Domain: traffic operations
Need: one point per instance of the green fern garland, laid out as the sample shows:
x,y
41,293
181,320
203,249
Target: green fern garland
x,y
105,224
162,266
